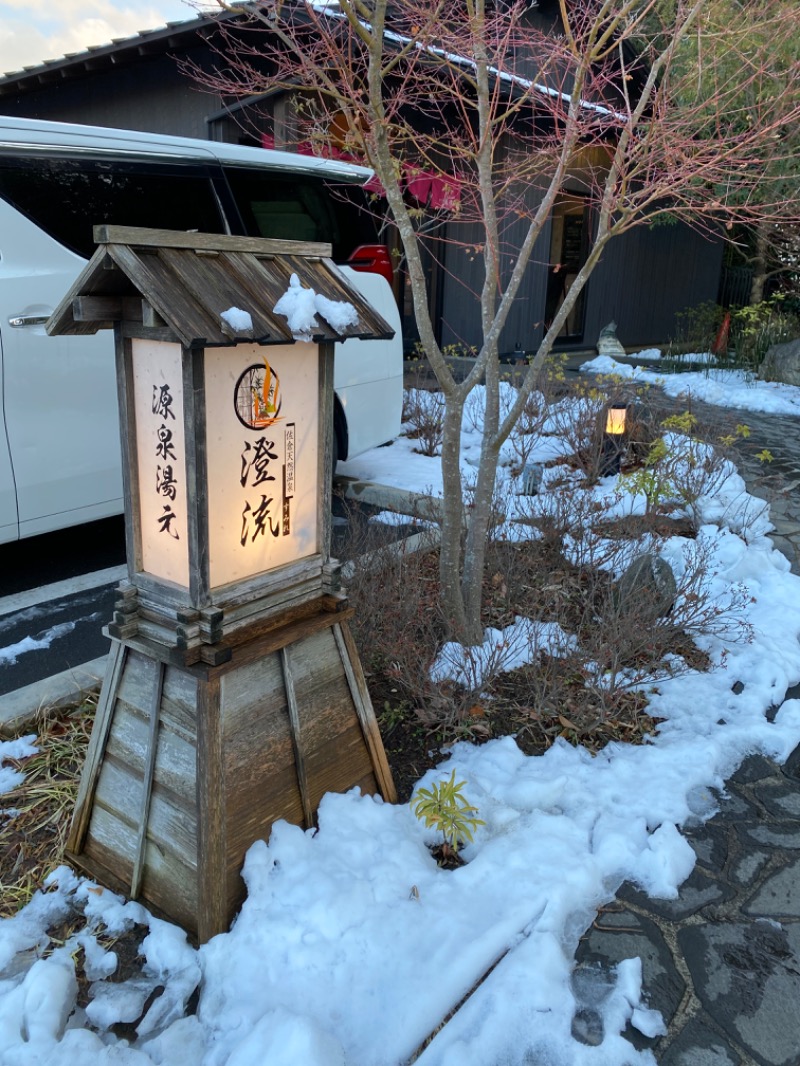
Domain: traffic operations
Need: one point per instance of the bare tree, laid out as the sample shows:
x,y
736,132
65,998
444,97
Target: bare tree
x,y
489,97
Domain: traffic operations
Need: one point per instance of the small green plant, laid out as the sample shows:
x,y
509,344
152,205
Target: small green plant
x,y
652,480
682,423
742,432
442,807
756,327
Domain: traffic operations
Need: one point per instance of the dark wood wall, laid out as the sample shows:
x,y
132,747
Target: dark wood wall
x,y
646,277
463,278
151,95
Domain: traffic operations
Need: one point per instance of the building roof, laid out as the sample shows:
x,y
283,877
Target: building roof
x,y
182,283
98,57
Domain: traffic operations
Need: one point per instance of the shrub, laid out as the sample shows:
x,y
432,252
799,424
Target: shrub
x,y
423,418
443,808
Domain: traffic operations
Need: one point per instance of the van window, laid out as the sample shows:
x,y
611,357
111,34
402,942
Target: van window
x,y
67,197
282,207
302,209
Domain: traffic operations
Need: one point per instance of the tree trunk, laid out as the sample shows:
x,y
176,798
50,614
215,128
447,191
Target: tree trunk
x,y
759,281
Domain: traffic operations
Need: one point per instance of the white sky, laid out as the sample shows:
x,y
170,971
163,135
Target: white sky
x,y
34,30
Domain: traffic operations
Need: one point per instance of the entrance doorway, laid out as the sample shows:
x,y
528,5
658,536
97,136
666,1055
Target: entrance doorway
x,y
569,246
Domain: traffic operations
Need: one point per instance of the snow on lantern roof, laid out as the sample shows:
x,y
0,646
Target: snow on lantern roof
x,y
186,283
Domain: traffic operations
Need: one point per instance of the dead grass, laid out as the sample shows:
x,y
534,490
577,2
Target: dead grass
x,y
32,838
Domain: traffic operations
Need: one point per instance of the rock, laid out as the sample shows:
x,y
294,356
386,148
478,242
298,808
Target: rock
x,y
782,363
647,589
607,343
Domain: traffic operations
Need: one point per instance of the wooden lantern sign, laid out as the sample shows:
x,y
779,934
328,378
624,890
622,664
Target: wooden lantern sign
x,y
233,695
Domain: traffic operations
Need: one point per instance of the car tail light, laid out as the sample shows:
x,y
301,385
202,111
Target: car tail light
x,y
372,259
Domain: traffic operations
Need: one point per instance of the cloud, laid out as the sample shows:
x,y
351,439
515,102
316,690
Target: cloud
x,y
34,30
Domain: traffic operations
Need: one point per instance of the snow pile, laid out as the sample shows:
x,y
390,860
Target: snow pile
x,y
501,651
14,749
300,306
728,388
239,321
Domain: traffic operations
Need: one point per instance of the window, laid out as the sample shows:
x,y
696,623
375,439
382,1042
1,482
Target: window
x,y
294,207
67,197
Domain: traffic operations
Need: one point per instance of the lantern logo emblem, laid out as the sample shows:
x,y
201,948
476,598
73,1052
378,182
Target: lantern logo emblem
x,y
257,397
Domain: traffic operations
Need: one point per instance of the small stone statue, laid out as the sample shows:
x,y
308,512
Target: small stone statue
x,y
607,343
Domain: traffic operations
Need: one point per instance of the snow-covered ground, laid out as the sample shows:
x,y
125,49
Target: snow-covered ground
x,y
728,388
353,946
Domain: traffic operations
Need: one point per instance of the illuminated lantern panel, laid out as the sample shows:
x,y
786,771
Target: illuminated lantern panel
x,y
161,459
615,419
261,450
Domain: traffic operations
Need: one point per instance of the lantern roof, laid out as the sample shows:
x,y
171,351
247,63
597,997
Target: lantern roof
x,y
162,282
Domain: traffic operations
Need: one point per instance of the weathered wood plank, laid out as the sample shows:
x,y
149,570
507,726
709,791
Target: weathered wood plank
x,y
325,452
136,684
339,766
178,703
162,289
61,321
213,908
261,285
211,287
366,714
168,883
246,689
176,759
147,777
297,743
97,746
172,824
161,238
102,310
274,639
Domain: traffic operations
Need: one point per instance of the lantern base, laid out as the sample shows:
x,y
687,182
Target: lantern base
x,y
188,765
146,615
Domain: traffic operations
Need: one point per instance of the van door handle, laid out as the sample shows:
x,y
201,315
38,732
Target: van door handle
x,y
27,320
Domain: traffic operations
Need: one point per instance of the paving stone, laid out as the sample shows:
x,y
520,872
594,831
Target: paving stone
x,y
733,806
710,843
777,836
779,895
700,1045
749,866
696,892
612,942
592,983
781,798
747,976
754,768
792,765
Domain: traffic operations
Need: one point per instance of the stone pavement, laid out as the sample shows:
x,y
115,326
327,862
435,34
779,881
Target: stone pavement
x,y
722,961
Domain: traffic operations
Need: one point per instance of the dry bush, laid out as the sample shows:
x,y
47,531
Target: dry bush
x,y
423,419
564,572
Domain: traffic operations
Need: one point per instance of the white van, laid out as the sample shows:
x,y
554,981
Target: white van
x,y
59,438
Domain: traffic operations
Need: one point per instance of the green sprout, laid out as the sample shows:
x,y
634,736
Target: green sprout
x,y
442,807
